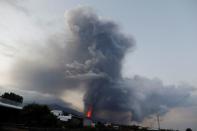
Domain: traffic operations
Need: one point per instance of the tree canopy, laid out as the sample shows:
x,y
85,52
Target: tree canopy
x,y
13,97
39,116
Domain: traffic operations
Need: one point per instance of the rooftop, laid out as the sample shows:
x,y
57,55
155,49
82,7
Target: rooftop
x,y
10,104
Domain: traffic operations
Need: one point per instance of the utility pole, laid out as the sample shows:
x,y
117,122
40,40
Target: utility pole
x,y
158,122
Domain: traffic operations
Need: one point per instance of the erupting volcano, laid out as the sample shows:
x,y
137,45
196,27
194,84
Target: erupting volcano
x,y
89,112
89,56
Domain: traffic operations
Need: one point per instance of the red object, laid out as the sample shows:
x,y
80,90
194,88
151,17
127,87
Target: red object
x,y
89,112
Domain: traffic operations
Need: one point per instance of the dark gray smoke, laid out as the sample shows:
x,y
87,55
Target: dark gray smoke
x,y
98,54
91,54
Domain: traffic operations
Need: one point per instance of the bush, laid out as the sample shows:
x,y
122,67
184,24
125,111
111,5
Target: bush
x,y
13,97
35,115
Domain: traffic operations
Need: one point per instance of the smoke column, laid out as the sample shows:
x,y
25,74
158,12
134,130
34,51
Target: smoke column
x,y
91,54
100,48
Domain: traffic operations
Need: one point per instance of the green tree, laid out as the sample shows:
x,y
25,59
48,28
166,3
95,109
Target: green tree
x,y
39,116
13,97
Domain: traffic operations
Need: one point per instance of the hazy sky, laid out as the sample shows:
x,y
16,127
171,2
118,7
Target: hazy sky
x,y
165,33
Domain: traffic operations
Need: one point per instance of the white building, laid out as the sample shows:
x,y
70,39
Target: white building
x,y
60,115
57,112
65,118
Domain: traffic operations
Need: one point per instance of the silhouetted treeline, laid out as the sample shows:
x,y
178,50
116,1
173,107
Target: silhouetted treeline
x,y
38,116
13,97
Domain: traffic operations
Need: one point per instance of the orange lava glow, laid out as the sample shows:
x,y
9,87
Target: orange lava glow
x,y
89,112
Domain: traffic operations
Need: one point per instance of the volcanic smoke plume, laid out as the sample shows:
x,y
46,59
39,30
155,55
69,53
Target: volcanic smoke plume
x,y
99,50
90,53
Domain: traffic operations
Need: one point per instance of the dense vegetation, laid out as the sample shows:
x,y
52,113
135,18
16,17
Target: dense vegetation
x,y
13,97
38,116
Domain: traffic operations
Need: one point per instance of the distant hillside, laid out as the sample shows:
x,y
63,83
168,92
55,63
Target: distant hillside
x,y
65,109
74,112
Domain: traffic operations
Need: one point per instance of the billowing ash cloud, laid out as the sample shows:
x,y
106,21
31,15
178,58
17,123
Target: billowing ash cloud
x,y
148,97
91,54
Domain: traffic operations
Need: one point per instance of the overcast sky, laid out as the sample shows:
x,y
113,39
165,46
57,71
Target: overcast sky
x,y
165,33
